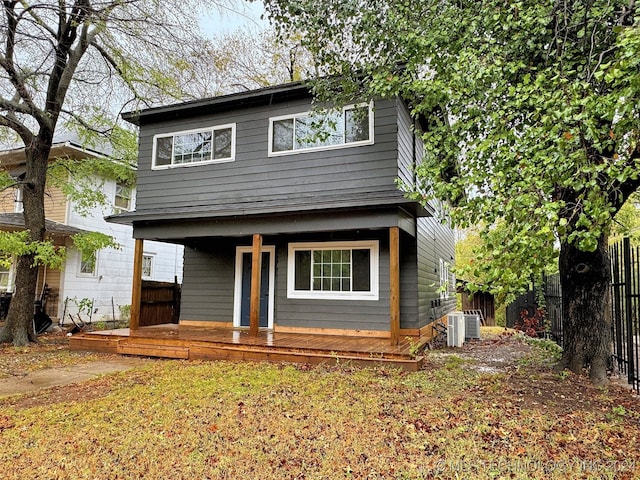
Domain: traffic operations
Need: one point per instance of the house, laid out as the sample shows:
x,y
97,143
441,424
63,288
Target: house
x,y
286,230
101,283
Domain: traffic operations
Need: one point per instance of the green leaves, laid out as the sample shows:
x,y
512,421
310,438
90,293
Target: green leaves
x,y
45,252
531,111
90,242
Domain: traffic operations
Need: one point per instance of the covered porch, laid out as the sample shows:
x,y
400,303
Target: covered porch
x,y
224,343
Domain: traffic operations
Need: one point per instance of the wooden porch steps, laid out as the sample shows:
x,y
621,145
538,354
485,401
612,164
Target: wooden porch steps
x,y
152,350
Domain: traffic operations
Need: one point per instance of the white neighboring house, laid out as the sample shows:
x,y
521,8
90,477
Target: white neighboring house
x,y
105,280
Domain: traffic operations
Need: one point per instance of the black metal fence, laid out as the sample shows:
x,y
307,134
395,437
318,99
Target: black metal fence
x,y
553,307
625,309
625,306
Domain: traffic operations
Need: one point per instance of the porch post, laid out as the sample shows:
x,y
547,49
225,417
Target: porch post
x,y
394,282
256,275
136,292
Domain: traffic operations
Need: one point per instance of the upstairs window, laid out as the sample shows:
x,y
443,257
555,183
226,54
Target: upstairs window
x,y
351,126
88,264
195,147
123,198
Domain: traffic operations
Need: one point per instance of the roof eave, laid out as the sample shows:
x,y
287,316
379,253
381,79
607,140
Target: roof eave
x,y
263,96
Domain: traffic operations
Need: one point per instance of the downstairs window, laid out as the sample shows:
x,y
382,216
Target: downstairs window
x,y
333,270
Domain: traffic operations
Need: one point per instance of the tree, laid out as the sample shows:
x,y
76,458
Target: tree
x,y
245,59
76,63
531,125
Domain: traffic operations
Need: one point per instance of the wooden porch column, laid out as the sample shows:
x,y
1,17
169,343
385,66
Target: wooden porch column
x,y
394,282
136,291
256,275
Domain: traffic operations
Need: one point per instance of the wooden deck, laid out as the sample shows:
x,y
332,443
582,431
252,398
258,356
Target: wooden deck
x,y
178,341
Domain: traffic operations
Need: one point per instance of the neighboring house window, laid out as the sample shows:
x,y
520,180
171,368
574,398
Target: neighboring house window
x,y
88,263
122,200
195,147
18,206
5,278
333,270
147,266
351,126
444,279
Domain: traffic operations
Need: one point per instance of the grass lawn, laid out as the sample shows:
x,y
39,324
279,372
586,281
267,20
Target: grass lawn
x,y
458,418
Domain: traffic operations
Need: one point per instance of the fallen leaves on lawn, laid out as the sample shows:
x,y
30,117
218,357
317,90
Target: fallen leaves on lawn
x,y
208,420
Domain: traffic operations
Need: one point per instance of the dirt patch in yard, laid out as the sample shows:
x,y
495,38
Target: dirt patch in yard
x,y
528,377
47,372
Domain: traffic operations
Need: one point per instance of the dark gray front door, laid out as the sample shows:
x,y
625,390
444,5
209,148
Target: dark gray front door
x,y
245,305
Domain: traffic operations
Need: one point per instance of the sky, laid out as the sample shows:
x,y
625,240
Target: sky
x,y
228,19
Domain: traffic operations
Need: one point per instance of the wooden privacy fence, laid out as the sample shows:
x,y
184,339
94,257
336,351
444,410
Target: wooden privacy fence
x,y
159,303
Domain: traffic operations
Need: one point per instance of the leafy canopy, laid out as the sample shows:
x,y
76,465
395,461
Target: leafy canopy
x,y
530,109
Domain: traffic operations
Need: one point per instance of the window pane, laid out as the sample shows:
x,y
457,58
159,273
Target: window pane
x,y
192,147
326,284
303,270
335,284
282,135
345,270
123,197
361,270
357,124
222,143
164,146
88,264
304,133
147,265
330,130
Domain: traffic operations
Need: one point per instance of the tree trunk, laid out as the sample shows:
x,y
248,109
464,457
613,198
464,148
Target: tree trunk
x,y
586,279
18,328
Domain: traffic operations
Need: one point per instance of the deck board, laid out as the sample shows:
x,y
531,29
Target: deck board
x,y
179,341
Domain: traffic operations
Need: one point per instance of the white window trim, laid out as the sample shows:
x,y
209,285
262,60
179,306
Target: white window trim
x,y
153,263
444,280
95,267
373,245
232,126
370,141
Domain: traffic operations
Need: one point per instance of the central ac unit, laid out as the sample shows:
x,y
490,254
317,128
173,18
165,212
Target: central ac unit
x,y
455,329
472,326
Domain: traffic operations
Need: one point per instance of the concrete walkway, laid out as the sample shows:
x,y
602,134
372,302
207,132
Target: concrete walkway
x,y
55,377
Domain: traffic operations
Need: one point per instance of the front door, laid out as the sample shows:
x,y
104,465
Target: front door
x,y
243,287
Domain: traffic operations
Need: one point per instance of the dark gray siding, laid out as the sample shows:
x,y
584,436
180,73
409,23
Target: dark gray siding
x,y
254,176
406,145
333,314
208,288
436,241
208,284
409,313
